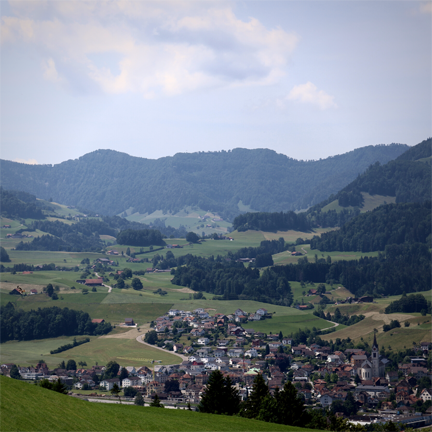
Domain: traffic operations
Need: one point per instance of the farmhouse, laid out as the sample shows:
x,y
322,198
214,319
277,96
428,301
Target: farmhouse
x,y
94,282
129,321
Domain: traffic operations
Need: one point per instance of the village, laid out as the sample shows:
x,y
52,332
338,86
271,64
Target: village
x,y
222,342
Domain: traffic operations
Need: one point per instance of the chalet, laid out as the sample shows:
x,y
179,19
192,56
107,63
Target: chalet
x,y
129,322
262,311
33,291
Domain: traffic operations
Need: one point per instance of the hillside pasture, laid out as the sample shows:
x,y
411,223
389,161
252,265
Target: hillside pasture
x,y
25,407
370,202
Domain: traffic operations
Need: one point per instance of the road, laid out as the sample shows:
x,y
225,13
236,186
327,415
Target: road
x,y
335,325
139,339
107,286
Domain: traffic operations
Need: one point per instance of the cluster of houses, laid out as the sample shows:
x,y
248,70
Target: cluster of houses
x,y
18,235
293,363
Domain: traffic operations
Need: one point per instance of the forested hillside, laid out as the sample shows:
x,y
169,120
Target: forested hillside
x,y
373,231
19,205
408,178
110,182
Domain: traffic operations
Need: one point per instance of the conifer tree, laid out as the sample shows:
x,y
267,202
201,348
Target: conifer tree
x,y
252,406
220,396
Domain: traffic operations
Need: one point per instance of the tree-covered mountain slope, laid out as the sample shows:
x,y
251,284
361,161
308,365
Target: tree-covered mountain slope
x,y
391,224
110,182
407,179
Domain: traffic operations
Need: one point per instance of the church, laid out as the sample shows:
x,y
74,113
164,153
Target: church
x,y
372,367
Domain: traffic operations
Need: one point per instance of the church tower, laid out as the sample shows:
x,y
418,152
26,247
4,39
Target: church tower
x,y
375,360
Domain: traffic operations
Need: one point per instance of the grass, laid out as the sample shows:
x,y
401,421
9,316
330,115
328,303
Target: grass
x,y
127,352
370,202
26,407
94,305
289,324
284,258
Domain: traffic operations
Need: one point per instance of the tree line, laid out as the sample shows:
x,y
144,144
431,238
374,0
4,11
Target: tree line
x,y
143,237
385,225
264,221
232,280
16,324
285,406
409,304
401,268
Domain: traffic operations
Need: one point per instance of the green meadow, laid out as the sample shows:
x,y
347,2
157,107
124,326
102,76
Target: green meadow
x,y
25,407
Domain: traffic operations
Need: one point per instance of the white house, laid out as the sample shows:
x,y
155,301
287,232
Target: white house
x,y
203,341
173,312
109,383
252,353
131,381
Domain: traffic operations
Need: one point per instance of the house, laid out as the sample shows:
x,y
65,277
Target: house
x,y
94,282
33,291
426,395
262,311
287,341
129,322
109,383
203,341
131,381
177,347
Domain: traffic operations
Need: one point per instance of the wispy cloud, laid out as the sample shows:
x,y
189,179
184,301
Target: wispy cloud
x,y
309,94
28,161
426,8
161,48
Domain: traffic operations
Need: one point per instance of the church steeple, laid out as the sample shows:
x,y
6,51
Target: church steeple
x,y
375,344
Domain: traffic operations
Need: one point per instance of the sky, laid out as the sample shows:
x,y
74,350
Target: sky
x,y
308,79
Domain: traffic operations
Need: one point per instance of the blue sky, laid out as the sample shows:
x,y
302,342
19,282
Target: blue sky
x,y
308,79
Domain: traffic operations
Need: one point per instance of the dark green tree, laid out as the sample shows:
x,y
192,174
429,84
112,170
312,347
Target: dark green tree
x,y
115,391
156,403
4,257
220,396
62,365
130,392
151,337
192,237
137,284
139,400
14,373
49,290
59,387
123,374
71,365
111,369
252,406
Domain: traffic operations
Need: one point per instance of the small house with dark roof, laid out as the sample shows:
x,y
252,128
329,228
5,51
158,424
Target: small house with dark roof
x,y
129,321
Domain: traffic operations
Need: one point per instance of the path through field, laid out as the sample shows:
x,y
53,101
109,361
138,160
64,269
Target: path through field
x,y
140,340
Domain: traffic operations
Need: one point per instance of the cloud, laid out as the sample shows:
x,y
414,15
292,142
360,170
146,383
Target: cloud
x,y
308,93
28,161
426,8
161,48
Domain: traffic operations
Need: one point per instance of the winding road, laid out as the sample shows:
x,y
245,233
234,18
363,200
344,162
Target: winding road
x,y
139,339
107,286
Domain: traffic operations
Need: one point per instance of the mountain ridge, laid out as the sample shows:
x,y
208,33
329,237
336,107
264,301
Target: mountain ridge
x,y
110,182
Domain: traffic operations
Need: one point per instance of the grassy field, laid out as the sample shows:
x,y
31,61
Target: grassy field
x,y
25,407
94,304
370,202
289,324
284,258
127,352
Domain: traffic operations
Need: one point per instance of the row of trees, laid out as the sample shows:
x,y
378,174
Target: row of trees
x,y
284,407
338,317
143,237
16,324
263,221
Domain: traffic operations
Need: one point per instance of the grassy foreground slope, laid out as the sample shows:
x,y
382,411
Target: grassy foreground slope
x,y
25,407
